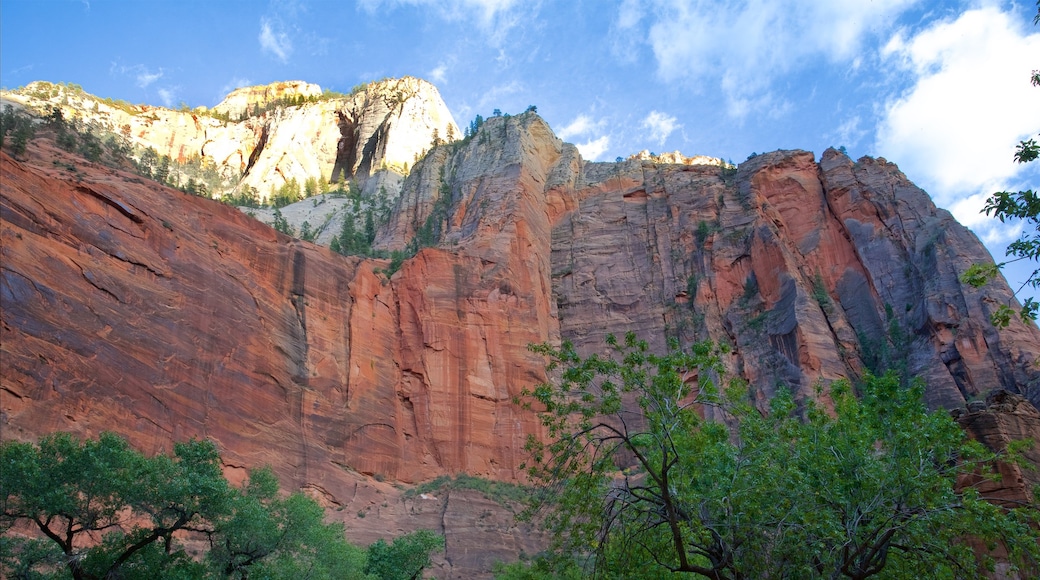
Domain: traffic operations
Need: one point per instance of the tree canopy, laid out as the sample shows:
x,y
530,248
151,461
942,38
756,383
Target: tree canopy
x,y
638,484
104,510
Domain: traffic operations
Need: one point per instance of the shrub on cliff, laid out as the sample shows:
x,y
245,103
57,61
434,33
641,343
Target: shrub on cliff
x,y
19,126
640,485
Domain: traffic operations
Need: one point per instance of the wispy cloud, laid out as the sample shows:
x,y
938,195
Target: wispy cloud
x,y
744,48
143,76
276,42
849,133
492,98
493,18
146,78
439,74
660,126
167,96
21,69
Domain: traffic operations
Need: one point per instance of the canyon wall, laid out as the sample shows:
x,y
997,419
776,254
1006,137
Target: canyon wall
x,y
135,308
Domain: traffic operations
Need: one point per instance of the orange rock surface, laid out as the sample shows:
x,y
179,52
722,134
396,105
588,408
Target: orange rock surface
x,y
134,308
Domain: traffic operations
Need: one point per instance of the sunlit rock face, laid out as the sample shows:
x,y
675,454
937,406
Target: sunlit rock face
x,y
242,101
135,308
263,137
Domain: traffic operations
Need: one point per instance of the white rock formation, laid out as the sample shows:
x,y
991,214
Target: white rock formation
x,y
386,126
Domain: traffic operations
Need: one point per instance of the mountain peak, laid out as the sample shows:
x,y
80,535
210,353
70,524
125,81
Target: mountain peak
x,y
240,101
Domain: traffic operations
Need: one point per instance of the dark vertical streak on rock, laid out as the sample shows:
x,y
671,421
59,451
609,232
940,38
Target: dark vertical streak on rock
x,y
346,149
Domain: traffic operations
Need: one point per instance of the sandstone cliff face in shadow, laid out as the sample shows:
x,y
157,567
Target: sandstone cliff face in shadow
x,y
138,309
812,271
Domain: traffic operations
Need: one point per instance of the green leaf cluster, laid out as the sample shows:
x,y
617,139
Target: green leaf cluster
x,y
651,470
405,558
102,510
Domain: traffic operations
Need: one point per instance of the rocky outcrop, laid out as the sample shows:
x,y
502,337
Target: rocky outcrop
x,y
997,422
812,271
136,308
243,101
384,126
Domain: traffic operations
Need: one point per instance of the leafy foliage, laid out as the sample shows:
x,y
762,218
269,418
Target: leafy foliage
x,y
273,537
106,511
20,127
640,485
405,558
281,224
71,490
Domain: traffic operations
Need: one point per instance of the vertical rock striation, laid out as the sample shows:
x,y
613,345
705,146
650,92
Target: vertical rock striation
x,y
138,309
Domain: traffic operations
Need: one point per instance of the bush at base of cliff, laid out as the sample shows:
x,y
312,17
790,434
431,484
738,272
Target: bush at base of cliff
x,y
866,487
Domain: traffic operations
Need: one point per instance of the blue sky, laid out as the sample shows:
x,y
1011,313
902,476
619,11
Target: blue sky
x,y
940,87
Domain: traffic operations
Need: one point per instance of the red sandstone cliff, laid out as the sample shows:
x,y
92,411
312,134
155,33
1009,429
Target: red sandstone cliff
x,y
130,307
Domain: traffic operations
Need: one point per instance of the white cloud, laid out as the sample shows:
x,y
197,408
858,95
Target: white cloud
x,y
593,148
494,96
745,47
484,10
275,42
494,18
167,97
143,76
581,125
146,78
955,128
849,133
660,126
439,74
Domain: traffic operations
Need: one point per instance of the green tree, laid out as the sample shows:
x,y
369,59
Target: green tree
x,y
405,558
348,234
1018,205
148,162
637,480
310,187
266,535
73,490
281,224
306,233
370,227
162,170
90,146
21,128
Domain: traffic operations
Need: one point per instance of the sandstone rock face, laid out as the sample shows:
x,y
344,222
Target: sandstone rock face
x,y
677,158
138,309
999,420
241,101
812,271
385,127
